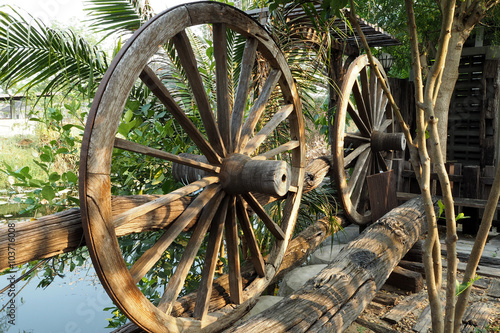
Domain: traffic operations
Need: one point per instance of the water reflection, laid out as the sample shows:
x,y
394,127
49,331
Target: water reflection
x,y
72,304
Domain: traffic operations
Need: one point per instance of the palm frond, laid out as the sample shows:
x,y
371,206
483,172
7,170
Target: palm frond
x,y
118,16
32,53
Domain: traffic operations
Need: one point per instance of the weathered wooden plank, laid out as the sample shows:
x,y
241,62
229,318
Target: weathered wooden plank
x,y
375,327
233,256
494,290
141,149
259,106
211,256
240,100
478,315
424,321
403,308
406,279
336,291
222,79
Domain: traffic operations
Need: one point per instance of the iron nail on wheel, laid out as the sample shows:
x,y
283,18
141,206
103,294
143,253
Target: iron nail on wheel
x,y
364,144
234,145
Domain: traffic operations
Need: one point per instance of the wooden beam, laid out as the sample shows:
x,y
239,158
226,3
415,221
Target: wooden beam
x,y
62,232
333,299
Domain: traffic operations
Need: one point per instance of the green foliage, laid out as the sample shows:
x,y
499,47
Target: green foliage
x,y
55,190
459,217
461,287
32,54
118,16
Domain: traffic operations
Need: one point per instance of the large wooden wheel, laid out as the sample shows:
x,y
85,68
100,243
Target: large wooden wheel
x,y
238,157
365,140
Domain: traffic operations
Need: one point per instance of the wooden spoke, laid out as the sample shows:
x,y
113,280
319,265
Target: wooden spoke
x,y
151,256
360,103
141,149
278,150
188,61
259,106
280,116
240,100
233,256
223,100
207,275
363,128
360,170
385,125
381,165
133,213
381,104
355,153
374,97
357,189
365,89
176,281
156,86
248,232
261,212
354,140
359,195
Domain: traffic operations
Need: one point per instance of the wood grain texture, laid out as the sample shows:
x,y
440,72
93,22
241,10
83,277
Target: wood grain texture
x,y
233,254
222,79
334,298
248,232
176,281
204,292
144,150
151,256
240,100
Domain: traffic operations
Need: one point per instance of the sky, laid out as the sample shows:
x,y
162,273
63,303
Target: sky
x,y
66,11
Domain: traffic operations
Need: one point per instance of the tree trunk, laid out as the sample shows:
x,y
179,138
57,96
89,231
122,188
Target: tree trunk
x,y
333,299
461,30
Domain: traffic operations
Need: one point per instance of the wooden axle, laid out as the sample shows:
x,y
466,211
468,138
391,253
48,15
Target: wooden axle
x,y
381,141
241,174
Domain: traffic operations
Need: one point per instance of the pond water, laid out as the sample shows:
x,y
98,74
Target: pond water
x,y
73,304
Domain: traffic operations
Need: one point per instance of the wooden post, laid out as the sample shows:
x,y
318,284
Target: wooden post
x,y
470,186
382,190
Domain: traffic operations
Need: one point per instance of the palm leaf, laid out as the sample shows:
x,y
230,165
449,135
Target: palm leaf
x,y
118,16
32,53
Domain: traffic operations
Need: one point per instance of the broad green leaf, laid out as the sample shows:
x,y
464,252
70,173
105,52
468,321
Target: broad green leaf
x,y
48,193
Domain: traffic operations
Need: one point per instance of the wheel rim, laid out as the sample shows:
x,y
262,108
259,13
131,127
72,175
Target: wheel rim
x,y
226,146
367,144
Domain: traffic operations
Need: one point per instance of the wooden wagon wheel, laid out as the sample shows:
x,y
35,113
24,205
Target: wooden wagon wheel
x,y
365,139
236,164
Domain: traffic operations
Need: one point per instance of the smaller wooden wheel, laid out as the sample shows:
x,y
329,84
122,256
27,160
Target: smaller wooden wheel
x,y
240,150
365,139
